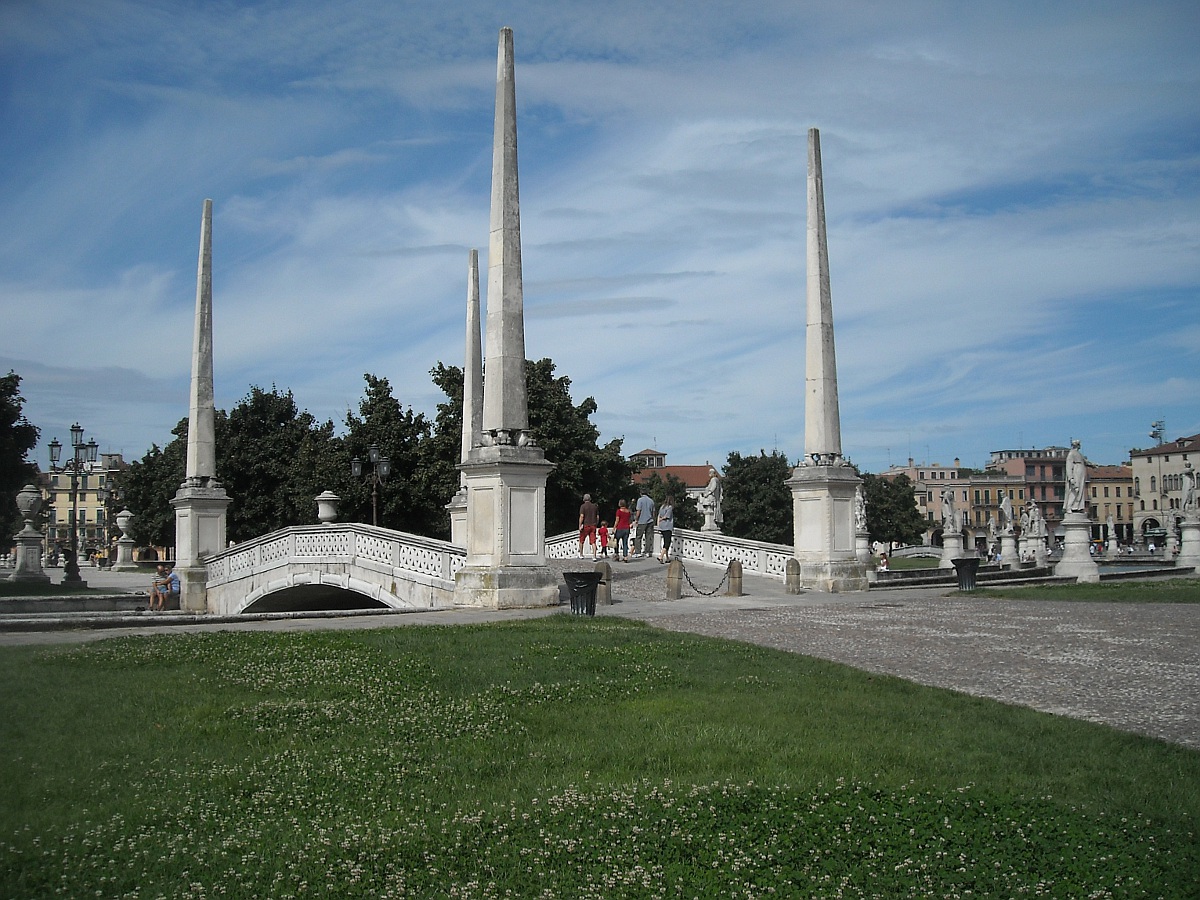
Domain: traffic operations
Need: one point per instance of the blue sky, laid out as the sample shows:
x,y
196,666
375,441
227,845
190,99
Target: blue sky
x,y
1012,193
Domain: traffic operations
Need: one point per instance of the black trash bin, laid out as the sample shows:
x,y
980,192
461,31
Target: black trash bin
x,y
582,586
966,569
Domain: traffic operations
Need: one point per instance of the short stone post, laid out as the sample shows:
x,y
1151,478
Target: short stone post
x,y
675,579
28,565
791,578
734,570
604,588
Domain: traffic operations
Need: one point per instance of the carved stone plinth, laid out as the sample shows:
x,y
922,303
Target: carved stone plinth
x,y
952,549
862,548
1077,561
1189,544
506,530
823,498
1008,550
199,532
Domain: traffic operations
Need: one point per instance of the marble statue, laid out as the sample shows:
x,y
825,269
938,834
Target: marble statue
x,y
1006,515
949,523
1189,487
860,510
1076,480
710,501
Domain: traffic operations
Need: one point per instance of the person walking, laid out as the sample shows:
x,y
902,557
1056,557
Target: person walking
x,y
666,526
621,532
589,517
644,543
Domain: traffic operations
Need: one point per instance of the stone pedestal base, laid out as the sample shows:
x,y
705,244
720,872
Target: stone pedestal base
x,y
1008,550
506,587
862,548
823,507
125,561
1189,544
28,564
1077,559
952,549
200,508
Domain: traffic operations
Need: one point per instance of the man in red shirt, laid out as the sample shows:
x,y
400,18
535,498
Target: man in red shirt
x,y
589,516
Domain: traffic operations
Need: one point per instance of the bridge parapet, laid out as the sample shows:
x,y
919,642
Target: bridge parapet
x,y
705,547
393,568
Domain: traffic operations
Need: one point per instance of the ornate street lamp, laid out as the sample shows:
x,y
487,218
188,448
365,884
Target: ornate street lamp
x,y
381,468
82,455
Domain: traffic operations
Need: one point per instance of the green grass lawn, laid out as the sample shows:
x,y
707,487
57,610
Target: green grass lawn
x,y
557,758
1163,590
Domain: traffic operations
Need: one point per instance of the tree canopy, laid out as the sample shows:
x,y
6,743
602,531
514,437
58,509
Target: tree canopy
x,y
755,499
892,514
274,458
17,438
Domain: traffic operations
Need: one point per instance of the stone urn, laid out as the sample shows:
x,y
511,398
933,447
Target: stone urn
x,y
327,507
124,518
28,564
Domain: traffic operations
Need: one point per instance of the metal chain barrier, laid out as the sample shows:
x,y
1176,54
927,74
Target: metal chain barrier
x,y
692,584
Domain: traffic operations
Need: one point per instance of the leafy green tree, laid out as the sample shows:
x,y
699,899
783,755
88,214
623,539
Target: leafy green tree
x,y
687,515
272,459
892,514
404,502
582,465
148,485
755,500
17,438
561,427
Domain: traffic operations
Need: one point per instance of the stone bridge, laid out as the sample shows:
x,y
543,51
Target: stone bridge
x,y
333,566
353,566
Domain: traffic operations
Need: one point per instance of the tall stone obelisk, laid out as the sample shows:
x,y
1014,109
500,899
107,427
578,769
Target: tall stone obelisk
x,y
823,485
505,471
200,503
472,426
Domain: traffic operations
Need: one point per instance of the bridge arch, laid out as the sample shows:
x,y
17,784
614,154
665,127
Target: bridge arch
x,y
333,566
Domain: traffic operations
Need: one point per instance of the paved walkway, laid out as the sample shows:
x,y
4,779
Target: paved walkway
x,y
1132,666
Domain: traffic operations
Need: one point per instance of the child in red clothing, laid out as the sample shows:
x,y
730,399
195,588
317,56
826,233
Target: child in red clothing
x,y
622,528
603,533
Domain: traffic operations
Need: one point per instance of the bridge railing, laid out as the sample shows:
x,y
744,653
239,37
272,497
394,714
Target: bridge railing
x,y
350,543
708,548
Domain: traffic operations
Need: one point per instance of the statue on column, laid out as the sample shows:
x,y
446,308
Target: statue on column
x,y
1189,488
1006,515
1076,501
710,502
949,520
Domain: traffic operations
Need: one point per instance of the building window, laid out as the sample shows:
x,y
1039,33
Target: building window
x,y
1106,490
1153,484
1137,487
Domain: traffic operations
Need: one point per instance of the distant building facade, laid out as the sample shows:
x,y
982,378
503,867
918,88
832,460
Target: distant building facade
x,y
1158,487
87,513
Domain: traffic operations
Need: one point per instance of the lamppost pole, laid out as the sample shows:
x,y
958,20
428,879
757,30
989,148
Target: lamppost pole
x,y
381,468
82,454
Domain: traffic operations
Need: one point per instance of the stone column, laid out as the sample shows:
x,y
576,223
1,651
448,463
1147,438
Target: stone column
x,y
200,503
952,548
1009,557
472,427
824,485
505,471
1077,561
1189,543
